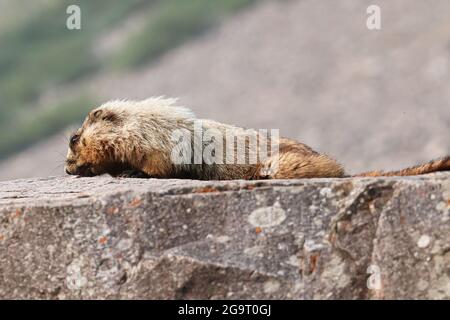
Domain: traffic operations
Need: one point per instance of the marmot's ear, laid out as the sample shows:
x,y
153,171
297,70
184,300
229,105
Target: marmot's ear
x,y
104,115
95,114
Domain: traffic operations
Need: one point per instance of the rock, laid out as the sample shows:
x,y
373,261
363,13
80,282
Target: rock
x,y
367,238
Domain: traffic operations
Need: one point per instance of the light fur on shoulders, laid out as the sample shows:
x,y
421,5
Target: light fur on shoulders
x,y
155,105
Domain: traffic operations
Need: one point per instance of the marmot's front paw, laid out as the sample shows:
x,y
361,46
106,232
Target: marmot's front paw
x,y
133,174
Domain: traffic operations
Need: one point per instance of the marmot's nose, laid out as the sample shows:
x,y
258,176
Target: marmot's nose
x,y
67,171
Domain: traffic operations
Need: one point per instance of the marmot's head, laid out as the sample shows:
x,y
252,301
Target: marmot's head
x,y
119,135
91,148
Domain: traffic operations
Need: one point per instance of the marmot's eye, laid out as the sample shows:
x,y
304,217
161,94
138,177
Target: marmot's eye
x,y
74,139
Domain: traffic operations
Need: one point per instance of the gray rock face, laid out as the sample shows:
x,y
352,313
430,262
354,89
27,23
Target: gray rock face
x,y
102,237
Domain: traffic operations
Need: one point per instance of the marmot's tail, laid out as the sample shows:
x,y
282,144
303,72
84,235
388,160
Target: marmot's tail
x,y
442,164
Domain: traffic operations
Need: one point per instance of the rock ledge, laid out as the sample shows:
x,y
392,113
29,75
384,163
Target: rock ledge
x,y
383,238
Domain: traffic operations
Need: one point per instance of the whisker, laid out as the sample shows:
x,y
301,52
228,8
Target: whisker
x,y
66,138
60,154
57,167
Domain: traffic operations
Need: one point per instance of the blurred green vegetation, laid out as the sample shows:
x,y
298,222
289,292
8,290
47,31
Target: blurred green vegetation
x,y
39,53
170,23
30,128
42,52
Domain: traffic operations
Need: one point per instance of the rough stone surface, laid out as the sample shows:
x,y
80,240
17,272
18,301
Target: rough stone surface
x,y
67,237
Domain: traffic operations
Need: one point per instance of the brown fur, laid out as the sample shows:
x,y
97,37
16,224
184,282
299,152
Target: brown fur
x,y
129,138
442,164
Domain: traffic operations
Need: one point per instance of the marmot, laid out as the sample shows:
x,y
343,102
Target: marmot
x,y
136,139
